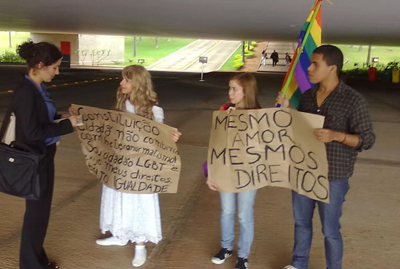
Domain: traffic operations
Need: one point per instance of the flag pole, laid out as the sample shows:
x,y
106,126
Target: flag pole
x,y
300,49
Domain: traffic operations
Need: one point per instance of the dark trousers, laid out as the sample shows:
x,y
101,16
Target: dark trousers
x,y
36,220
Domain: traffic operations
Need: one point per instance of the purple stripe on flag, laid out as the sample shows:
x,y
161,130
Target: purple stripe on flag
x,y
302,79
298,74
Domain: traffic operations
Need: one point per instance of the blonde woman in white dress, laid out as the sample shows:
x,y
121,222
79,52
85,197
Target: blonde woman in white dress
x,y
127,216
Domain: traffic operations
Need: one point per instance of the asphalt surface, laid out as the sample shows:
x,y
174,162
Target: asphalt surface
x,y
187,58
190,218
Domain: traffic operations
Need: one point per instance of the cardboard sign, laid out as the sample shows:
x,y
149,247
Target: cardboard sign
x,y
250,149
127,152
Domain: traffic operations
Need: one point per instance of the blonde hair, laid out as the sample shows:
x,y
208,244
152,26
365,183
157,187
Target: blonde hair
x,y
249,84
142,95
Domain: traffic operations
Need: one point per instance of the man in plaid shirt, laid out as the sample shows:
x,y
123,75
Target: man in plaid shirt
x,y
347,130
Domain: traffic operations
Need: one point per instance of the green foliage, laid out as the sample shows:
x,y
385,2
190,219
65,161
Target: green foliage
x,y
145,48
378,66
235,61
238,62
10,57
248,54
250,45
393,65
17,38
383,72
229,64
356,55
356,72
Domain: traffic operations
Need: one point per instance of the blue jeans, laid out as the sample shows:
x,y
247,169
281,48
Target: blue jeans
x,y
303,210
245,202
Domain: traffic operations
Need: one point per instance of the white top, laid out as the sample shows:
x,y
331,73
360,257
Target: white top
x,y
158,112
128,216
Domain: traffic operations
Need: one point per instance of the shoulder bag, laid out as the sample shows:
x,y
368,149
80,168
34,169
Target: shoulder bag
x,y
22,173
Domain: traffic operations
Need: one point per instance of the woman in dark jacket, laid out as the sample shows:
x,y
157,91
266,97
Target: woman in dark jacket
x,y
37,130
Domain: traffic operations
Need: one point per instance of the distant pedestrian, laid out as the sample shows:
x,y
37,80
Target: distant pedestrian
x,y
275,58
263,57
288,59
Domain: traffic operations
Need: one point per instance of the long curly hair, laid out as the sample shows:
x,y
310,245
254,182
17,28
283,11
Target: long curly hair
x,y
142,95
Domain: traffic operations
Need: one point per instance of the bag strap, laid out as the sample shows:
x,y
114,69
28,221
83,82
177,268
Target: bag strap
x,y
5,123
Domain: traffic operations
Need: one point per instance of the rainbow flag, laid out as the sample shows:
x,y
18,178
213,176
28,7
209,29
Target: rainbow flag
x,y
309,39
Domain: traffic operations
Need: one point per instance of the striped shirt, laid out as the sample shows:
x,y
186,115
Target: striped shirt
x,y
345,110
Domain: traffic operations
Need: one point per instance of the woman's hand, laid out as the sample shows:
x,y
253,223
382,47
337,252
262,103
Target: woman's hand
x,y
176,135
230,109
211,185
282,100
71,111
74,120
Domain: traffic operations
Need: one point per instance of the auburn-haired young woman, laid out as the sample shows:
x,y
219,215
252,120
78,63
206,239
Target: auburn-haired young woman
x,y
243,94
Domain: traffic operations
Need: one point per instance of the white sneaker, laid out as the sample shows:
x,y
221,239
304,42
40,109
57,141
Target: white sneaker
x,y
140,256
110,241
289,267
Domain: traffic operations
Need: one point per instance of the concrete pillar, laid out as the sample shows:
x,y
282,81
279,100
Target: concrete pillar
x,y
56,39
96,43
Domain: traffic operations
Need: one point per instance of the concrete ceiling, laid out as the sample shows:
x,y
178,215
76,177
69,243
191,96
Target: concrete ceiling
x,y
375,22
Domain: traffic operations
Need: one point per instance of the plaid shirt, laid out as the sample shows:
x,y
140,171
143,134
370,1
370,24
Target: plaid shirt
x,y
345,110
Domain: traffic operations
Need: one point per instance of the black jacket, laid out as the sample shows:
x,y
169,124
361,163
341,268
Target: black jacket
x,y
32,120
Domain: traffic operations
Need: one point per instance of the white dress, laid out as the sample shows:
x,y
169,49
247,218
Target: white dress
x,y
128,216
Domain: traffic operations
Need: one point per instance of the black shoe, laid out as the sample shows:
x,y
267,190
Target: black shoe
x,y
52,265
221,256
242,263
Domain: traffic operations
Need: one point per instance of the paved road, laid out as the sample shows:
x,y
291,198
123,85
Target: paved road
x,y
187,59
190,218
217,56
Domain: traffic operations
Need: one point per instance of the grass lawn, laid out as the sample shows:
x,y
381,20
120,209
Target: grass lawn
x,y
146,49
356,54
16,39
228,66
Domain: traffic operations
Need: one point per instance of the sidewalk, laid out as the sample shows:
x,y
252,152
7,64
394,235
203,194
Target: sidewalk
x,y
281,49
190,218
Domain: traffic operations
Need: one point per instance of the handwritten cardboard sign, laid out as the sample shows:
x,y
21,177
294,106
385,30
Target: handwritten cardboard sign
x,y
250,149
127,152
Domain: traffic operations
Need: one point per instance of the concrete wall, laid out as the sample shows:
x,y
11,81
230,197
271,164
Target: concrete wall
x,y
97,43
56,39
